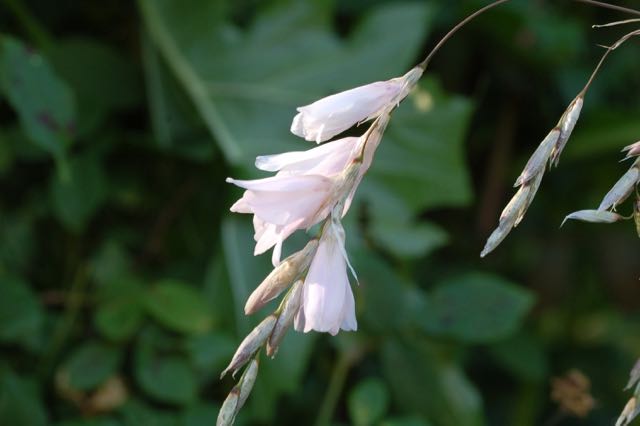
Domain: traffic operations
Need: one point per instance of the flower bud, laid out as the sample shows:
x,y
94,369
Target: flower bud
x,y
567,123
621,190
281,277
594,216
539,158
632,150
227,413
250,344
629,413
289,309
246,383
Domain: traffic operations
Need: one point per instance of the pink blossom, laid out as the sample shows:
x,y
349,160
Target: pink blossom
x,y
327,300
282,205
327,117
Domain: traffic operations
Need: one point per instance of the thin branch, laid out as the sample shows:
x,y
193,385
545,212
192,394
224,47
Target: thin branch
x,y
455,29
610,6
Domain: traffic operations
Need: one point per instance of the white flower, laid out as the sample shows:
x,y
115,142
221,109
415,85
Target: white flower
x,y
327,300
303,192
327,117
282,205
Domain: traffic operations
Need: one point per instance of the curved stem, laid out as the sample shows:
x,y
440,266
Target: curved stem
x,y
610,49
610,6
455,29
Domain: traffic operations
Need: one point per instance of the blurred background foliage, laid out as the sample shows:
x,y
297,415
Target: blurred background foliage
x,y
123,275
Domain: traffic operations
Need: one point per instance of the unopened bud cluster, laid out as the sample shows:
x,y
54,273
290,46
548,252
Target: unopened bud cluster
x,y
529,180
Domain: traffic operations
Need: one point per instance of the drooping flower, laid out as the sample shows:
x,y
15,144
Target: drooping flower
x,y
327,117
327,300
282,205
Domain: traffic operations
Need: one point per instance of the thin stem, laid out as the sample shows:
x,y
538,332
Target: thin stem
x,y
610,49
455,29
610,6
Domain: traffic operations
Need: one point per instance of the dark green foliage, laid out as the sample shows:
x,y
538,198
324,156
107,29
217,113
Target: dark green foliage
x,y
123,276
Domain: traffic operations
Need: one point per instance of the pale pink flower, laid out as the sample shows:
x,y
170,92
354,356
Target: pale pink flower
x,y
327,117
632,150
282,205
327,300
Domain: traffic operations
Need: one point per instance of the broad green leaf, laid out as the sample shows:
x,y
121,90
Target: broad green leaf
x,y
421,158
408,240
119,319
175,122
77,197
165,377
44,102
102,79
368,402
477,307
425,381
20,403
21,315
210,352
179,307
90,365
287,58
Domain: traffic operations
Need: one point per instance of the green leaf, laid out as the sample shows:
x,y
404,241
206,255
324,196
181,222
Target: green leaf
x,y
42,100
523,356
476,308
406,239
20,404
165,377
421,159
210,352
136,413
76,198
287,58
423,380
179,307
199,414
91,364
21,315
101,78
119,319
368,402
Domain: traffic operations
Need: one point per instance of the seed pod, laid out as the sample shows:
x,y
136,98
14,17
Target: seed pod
x,y
566,124
250,344
281,277
539,158
621,190
594,216
290,307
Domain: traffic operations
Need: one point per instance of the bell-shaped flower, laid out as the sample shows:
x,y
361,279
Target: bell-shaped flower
x,y
282,205
327,300
327,117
